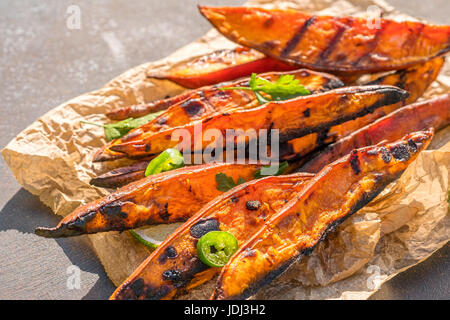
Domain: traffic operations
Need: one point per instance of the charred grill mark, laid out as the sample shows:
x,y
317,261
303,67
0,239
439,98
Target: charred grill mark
x,y
412,146
203,227
385,154
169,253
253,205
335,40
400,152
234,199
193,107
137,287
164,213
307,113
293,42
354,162
114,210
172,275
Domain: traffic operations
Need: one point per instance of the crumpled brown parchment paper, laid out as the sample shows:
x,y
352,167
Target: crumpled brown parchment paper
x,y
404,225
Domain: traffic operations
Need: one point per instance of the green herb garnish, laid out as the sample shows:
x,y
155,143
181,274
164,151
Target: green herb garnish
x,y
263,172
121,128
225,183
286,87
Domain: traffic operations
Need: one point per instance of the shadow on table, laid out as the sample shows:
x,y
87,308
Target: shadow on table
x,y
24,212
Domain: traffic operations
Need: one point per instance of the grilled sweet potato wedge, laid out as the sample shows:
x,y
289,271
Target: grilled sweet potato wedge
x,y
167,197
419,116
209,100
175,265
220,66
335,193
293,118
345,44
415,80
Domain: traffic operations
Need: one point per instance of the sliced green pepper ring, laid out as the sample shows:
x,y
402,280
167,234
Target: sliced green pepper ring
x,y
168,160
216,247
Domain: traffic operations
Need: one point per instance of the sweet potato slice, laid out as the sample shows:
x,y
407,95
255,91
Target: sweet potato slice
x,y
415,80
335,193
175,265
167,197
293,118
342,44
205,101
419,116
220,66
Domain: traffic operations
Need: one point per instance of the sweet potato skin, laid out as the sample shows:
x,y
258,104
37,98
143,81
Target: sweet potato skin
x,y
415,80
345,44
139,110
335,193
229,212
419,116
220,66
167,197
294,118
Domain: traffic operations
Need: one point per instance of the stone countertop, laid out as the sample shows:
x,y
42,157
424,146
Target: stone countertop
x,y
44,63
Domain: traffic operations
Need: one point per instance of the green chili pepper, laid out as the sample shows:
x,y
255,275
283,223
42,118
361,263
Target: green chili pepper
x,y
216,247
167,160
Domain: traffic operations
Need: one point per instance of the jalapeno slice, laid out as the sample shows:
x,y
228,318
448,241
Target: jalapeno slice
x,y
168,160
216,247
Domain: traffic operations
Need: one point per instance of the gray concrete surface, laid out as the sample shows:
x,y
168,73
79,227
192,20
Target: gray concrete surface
x,y
43,64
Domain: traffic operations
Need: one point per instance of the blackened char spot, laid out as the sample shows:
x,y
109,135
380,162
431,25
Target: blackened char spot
x,y
203,227
354,162
172,275
164,213
293,42
253,205
234,199
400,152
307,113
192,107
114,210
169,253
137,287
412,146
385,154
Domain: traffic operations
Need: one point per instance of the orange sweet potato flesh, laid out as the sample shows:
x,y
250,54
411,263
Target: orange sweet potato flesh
x,y
162,198
293,118
220,66
335,193
339,44
415,80
419,116
175,265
